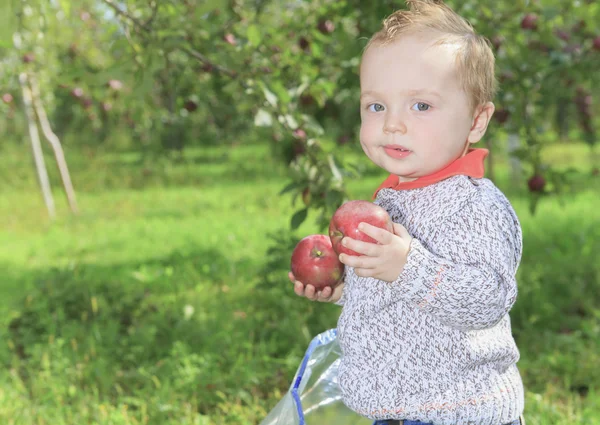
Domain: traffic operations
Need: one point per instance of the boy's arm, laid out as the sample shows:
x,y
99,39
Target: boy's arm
x,y
470,282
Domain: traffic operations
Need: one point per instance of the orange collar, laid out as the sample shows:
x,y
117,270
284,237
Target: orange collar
x,y
469,165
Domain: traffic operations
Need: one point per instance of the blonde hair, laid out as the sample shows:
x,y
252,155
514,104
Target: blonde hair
x,y
475,62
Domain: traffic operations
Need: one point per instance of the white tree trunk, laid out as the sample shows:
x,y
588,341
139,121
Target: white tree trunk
x,y
55,143
37,147
516,168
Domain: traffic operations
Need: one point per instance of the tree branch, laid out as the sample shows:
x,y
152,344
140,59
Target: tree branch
x,y
199,56
126,15
191,52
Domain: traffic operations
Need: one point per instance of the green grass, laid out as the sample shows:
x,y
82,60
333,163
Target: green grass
x,y
160,305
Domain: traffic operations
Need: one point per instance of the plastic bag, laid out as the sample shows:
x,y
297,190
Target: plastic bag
x,y
314,398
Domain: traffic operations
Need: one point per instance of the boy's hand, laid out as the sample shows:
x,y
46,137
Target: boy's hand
x,y
327,294
385,260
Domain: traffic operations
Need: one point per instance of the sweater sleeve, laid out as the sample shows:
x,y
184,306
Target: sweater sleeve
x,y
470,282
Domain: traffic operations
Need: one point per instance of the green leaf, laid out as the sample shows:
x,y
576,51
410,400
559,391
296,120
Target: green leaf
x,y
298,218
281,92
290,187
254,35
66,7
7,22
334,199
208,6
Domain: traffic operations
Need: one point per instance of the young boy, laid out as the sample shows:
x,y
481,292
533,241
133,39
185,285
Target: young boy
x,y
424,330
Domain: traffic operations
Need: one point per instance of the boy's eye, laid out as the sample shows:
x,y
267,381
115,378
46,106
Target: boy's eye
x,y
420,106
376,107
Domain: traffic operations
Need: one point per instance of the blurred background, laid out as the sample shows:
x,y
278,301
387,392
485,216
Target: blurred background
x,y
159,161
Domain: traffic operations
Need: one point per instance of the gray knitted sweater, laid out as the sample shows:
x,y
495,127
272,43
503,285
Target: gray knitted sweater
x,y
436,344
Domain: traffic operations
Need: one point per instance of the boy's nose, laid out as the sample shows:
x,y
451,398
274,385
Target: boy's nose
x,y
394,124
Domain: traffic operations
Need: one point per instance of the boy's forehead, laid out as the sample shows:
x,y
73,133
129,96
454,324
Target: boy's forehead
x,y
412,48
418,60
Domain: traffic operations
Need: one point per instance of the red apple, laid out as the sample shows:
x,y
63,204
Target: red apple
x,y
304,43
298,148
529,22
326,26
115,84
536,183
230,39
190,105
307,100
563,35
502,115
497,41
343,139
596,43
7,98
299,134
346,219
77,92
314,262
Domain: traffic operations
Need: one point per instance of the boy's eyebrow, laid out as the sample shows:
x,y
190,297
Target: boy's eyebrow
x,y
409,93
424,91
368,93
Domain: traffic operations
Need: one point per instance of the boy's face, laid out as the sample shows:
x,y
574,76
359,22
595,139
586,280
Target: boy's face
x,y
415,117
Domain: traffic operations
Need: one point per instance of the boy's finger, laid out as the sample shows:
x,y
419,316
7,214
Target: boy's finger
x,y
360,261
360,247
299,289
380,235
401,231
309,292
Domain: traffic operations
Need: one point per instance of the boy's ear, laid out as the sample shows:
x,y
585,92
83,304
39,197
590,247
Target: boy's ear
x,y
482,117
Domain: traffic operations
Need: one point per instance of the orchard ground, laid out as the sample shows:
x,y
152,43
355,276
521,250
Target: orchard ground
x,y
160,304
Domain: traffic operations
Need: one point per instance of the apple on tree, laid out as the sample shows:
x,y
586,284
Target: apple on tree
x,y
346,219
314,262
536,183
230,39
529,22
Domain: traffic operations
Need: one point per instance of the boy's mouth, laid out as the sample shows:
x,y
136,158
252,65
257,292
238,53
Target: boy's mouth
x,y
396,151
396,147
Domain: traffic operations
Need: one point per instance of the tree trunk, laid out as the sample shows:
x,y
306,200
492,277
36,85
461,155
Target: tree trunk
x,y
37,147
515,163
55,143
